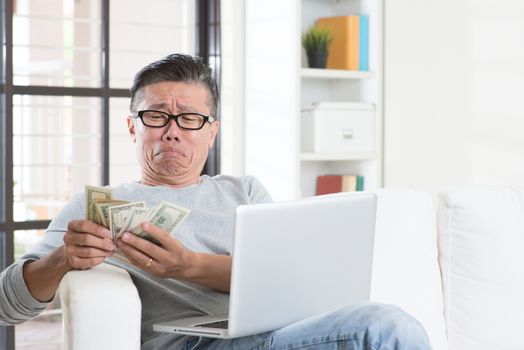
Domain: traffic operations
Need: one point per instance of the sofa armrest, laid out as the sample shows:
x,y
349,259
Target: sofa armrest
x,y
101,309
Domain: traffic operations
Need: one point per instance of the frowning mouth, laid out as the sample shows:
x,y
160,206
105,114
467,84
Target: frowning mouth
x,y
170,151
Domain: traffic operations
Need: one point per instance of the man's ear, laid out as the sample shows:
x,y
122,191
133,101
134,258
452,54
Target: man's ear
x,y
213,130
131,128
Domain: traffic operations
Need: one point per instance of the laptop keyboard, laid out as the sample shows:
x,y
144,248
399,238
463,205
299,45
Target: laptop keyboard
x,y
219,324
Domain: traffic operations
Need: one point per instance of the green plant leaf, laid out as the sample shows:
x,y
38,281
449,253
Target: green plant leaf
x,y
316,39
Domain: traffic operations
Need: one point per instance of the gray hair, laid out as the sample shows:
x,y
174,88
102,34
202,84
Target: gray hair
x,y
177,67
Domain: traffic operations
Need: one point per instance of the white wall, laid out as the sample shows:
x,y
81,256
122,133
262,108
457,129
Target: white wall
x,y
272,58
454,93
232,87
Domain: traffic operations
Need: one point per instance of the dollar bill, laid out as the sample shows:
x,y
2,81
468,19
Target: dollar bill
x,y
122,216
136,217
92,193
102,208
118,215
167,216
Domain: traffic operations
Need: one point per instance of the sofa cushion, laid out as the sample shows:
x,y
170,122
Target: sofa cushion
x,y
481,245
405,266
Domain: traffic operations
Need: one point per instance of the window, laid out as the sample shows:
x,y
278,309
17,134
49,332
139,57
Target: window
x,y
64,99
56,150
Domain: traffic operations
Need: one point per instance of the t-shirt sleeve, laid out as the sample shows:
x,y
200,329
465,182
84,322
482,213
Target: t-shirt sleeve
x,y
256,191
17,305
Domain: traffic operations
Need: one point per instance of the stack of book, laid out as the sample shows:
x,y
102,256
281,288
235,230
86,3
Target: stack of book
x,y
327,184
349,47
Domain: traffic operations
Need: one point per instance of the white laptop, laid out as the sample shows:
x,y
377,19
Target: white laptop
x,y
292,260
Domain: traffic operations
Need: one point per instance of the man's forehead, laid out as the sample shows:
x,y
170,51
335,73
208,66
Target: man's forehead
x,y
172,88
164,94
179,104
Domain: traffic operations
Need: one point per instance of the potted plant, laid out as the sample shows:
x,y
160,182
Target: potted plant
x,y
316,41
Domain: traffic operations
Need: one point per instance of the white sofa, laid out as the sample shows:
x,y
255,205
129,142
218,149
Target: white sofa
x,y
464,283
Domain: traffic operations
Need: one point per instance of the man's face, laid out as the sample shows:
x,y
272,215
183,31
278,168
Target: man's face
x,y
171,155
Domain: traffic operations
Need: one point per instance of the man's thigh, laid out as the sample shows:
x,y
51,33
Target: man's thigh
x,y
358,326
346,328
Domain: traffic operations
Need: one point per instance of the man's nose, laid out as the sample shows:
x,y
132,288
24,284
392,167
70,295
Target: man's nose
x,y
172,131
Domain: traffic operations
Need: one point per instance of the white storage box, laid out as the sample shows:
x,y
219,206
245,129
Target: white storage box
x,y
338,127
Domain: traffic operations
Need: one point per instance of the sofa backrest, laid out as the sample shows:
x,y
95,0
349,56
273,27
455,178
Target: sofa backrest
x,y
405,266
481,253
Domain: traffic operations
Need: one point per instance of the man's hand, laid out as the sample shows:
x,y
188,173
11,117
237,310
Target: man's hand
x,y
87,244
171,259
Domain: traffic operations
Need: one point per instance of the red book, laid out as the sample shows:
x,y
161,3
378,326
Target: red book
x,y
328,184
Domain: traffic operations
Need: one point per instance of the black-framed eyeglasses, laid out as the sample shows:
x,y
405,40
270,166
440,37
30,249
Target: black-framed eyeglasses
x,y
187,121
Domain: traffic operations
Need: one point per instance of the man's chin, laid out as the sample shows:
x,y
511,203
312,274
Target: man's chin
x,y
171,169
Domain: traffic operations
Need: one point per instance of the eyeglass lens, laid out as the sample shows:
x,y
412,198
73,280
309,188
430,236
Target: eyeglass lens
x,y
185,120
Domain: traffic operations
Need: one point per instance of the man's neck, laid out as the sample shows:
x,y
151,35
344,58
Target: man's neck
x,y
170,182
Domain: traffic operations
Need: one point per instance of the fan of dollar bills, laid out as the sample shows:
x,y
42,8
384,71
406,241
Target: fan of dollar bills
x,y
122,216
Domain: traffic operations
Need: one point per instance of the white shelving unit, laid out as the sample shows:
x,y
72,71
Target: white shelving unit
x,y
318,85
316,73
278,84
331,157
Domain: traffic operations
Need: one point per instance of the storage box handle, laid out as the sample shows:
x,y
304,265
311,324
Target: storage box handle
x,y
347,134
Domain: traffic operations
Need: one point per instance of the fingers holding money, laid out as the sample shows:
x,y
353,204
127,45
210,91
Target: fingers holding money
x,y
170,259
87,244
160,235
87,226
137,250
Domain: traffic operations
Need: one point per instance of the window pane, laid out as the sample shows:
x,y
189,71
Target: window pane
x,y
122,154
44,331
56,151
69,52
26,240
142,32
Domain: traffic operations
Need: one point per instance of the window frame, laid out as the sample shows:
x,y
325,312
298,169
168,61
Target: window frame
x,y
208,47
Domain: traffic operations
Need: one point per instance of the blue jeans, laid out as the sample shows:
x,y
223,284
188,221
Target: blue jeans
x,y
361,326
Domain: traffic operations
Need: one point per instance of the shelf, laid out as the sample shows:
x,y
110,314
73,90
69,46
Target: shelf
x,y
316,73
337,156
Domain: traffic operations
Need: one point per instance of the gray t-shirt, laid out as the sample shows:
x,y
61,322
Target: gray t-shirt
x,y
208,228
